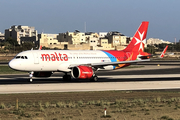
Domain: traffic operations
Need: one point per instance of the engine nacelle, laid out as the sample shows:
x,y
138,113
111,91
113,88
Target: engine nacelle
x,y
42,74
82,72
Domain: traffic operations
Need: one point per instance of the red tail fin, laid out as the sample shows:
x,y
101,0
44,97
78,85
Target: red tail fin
x,y
162,54
139,39
40,47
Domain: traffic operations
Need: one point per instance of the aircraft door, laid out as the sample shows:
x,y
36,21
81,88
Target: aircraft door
x,y
36,59
75,57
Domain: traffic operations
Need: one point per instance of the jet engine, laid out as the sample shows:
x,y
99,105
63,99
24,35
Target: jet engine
x,y
42,74
82,72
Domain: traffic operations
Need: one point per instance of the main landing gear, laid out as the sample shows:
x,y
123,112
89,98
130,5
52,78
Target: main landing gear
x,y
66,77
94,78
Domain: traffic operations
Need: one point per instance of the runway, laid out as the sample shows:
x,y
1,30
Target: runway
x,y
148,77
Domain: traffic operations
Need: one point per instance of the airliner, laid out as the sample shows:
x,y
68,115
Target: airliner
x,y
82,64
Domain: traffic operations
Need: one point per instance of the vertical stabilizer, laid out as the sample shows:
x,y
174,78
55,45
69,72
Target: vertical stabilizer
x,y
139,39
164,51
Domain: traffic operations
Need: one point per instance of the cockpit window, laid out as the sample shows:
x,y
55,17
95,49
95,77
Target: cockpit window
x,y
17,57
21,57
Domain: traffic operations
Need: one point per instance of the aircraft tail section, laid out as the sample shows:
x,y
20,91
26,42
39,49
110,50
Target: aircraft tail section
x,y
40,47
139,39
164,51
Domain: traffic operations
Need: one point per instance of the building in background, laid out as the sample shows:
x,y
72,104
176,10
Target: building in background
x,y
69,40
2,37
152,41
123,40
105,45
75,37
116,38
102,34
17,32
92,39
47,39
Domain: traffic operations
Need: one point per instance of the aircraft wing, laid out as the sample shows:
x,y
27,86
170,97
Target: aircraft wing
x,y
101,64
116,63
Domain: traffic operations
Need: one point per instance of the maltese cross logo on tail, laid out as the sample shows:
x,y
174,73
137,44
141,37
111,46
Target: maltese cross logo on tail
x,y
141,41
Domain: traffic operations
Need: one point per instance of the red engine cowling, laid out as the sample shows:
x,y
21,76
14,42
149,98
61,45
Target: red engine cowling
x,y
82,72
42,74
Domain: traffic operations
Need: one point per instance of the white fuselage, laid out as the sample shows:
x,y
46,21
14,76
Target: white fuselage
x,y
57,60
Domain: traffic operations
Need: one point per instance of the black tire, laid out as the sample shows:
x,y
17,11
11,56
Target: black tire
x,y
67,78
94,79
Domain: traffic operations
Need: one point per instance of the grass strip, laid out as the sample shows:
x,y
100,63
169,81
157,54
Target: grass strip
x,y
8,70
129,105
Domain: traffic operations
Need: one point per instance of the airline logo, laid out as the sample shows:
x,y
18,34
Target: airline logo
x,y
141,40
54,57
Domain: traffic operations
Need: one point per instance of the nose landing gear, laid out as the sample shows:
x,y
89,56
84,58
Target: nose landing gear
x,y
31,76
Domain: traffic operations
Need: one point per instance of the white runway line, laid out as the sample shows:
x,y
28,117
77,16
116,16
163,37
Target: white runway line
x,y
143,76
114,76
75,87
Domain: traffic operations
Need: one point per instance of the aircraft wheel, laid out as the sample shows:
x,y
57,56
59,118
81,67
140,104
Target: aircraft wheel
x,y
67,78
30,80
94,79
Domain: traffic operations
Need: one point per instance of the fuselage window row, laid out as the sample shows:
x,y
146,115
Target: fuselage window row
x,y
25,57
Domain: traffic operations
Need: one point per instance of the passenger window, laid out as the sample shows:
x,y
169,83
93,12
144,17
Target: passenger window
x,y
22,57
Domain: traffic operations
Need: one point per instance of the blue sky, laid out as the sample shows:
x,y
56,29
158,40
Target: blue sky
x,y
125,16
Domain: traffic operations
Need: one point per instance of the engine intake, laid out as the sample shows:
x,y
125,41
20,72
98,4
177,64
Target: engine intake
x,y
42,74
82,72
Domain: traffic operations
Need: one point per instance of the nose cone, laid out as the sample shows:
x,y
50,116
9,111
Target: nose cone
x,y
11,65
14,65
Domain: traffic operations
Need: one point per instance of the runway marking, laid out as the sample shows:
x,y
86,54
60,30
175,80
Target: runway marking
x,y
143,76
99,86
109,76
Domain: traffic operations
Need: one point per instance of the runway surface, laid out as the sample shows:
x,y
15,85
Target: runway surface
x,y
148,77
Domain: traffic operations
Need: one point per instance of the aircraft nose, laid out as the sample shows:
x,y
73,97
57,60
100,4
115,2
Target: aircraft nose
x,y
13,65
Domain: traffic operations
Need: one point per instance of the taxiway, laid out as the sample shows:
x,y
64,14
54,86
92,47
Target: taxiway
x,y
144,78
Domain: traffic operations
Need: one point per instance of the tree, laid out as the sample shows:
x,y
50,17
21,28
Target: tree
x,y
12,41
10,45
28,46
150,49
